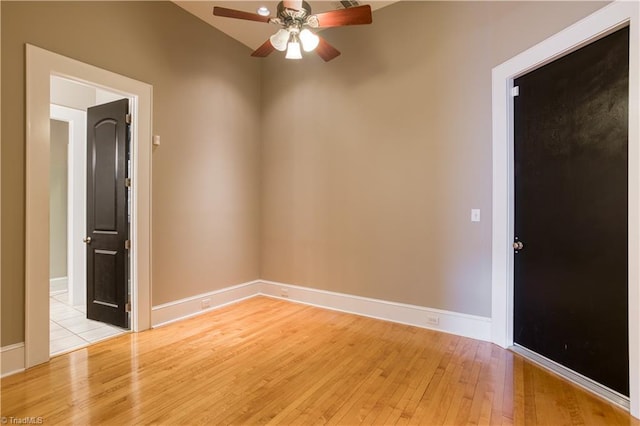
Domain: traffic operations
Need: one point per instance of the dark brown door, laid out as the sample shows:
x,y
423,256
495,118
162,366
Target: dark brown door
x,y
571,209
107,218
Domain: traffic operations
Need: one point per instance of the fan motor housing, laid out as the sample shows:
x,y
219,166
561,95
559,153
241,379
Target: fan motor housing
x,y
296,17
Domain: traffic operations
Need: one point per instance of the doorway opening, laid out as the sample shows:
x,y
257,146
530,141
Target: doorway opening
x,y
41,65
69,326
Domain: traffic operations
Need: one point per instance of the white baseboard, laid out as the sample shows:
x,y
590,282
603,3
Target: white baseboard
x,y
578,379
465,325
473,326
12,359
58,285
476,327
192,306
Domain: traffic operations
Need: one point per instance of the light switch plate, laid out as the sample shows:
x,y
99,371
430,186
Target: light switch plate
x,y
475,215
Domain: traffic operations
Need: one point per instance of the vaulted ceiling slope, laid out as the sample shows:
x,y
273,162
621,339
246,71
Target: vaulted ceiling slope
x,y
253,34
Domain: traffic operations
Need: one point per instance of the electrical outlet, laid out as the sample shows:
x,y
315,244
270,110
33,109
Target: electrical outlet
x,y
433,319
205,303
284,292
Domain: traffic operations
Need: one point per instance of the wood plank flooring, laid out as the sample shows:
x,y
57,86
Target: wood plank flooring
x,y
271,361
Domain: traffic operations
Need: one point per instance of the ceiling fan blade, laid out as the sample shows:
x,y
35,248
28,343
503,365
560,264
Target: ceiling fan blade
x,y
292,4
239,14
264,50
326,51
352,16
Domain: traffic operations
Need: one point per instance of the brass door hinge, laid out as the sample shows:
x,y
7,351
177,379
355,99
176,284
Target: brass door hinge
x,y
127,244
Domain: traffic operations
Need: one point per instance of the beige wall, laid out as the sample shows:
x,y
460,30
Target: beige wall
x,y
206,109
372,162
58,199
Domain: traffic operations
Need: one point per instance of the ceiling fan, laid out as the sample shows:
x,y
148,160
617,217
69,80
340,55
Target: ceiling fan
x,y
294,16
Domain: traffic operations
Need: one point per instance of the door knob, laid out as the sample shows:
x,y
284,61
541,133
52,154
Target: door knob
x,y
86,240
517,245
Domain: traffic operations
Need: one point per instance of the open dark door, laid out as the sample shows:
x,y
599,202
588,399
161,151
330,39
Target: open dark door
x,y
107,207
571,211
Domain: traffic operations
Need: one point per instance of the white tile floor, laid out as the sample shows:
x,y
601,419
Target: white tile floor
x,y
70,329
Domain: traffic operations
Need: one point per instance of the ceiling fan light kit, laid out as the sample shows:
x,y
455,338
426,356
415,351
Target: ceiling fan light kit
x,y
293,48
293,16
309,40
280,39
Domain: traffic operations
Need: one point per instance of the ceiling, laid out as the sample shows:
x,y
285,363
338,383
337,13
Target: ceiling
x,y
253,34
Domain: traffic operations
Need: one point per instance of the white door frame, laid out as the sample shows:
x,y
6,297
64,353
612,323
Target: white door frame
x,y
603,21
41,65
76,206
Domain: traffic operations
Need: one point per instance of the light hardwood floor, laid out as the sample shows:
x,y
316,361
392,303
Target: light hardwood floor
x,y
272,361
